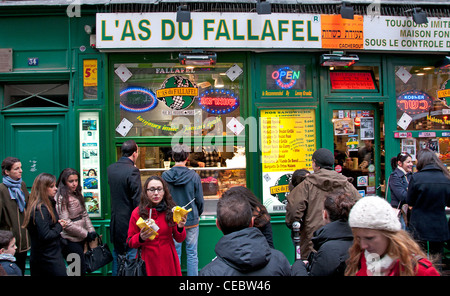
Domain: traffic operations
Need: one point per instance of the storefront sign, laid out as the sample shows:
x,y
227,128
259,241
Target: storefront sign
x,y
414,102
137,99
177,92
285,77
350,80
218,101
287,143
339,33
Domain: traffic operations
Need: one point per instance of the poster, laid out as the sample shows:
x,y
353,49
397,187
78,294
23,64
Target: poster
x,y
288,141
345,126
367,128
409,146
90,162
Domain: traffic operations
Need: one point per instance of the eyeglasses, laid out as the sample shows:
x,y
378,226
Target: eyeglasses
x,y
153,189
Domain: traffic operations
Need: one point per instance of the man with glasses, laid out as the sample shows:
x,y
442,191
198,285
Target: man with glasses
x,y
124,181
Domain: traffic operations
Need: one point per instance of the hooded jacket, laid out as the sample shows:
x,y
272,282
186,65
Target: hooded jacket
x,y
185,185
332,243
246,253
305,203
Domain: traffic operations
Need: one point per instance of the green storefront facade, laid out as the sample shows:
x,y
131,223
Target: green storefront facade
x,y
70,98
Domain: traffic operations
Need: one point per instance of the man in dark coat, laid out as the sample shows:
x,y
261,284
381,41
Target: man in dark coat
x,y
243,250
125,188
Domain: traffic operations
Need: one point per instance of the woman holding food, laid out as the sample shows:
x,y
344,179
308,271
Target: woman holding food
x,y
156,242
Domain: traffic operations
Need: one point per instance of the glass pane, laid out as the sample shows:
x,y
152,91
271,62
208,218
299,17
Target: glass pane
x,y
36,95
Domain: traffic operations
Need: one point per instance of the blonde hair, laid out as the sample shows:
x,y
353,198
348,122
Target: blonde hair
x,y
401,246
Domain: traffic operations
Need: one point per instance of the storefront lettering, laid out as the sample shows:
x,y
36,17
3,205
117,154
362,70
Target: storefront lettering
x,y
438,120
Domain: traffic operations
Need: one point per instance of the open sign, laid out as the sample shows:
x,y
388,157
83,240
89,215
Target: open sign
x,y
414,102
285,77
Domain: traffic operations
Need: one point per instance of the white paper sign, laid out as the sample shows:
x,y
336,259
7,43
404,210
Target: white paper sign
x,y
403,74
404,121
124,127
123,73
235,126
234,72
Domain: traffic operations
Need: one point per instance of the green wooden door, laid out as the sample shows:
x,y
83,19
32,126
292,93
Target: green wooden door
x,y
39,141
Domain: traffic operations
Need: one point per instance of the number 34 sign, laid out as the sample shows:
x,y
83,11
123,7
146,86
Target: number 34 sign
x,y
89,72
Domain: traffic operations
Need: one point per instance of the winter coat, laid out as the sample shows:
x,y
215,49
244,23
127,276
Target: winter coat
x,y
331,243
428,194
246,252
7,261
398,185
46,258
125,186
425,268
185,185
305,203
79,224
11,218
159,254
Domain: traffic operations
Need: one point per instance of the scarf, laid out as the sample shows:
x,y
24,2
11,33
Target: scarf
x,y
377,266
15,191
7,257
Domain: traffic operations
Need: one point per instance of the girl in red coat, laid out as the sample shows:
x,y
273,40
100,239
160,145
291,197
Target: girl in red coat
x,y
380,246
159,253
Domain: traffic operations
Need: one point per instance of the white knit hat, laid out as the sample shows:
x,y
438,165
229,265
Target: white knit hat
x,y
374,212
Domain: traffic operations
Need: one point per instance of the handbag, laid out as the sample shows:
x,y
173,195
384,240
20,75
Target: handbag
x,y
131,267
97,257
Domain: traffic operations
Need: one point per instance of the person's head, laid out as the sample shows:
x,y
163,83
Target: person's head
x,y
180,153
337,206
7,242
69,183
322,158
233,213
368,144
426,156
297,177
154,192
130,150
12,167
402,160
377,230
260,214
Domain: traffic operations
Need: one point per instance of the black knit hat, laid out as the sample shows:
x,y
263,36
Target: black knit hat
x,y
323,158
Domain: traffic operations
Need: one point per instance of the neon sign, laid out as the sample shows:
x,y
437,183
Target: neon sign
x,y
414,102
137,99
285,77
218,101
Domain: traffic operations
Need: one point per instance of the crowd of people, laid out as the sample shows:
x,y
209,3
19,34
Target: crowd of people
x,y
341,233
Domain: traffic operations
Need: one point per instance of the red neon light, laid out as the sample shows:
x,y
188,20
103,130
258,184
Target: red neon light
x,y
210,101
351,80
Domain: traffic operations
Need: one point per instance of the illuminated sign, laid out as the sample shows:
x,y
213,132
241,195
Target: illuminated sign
x,y
137,99
414,102
177,92
218,101
347,80
285,77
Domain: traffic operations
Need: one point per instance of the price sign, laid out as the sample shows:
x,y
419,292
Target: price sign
x,y
90,73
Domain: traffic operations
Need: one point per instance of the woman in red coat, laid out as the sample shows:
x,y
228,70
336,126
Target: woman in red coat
x,y
159,253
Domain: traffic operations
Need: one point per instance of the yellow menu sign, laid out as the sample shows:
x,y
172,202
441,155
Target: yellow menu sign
x,y
89,72
287,139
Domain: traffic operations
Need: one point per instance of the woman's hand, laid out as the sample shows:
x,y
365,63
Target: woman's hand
x,y
145,233
182,222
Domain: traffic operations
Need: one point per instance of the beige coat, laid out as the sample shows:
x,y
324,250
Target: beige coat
x,y
306,202
79,224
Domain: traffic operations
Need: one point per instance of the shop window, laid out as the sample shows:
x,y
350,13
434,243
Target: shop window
x,y
355,78
36,95
171,99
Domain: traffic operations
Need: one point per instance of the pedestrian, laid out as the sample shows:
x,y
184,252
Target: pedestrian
x,y
158,253
297,177
7,250
331,242
261,218
398,184
70,207
45,228
13,201
186,188
428,195
380,247
243,250
305,202
125,186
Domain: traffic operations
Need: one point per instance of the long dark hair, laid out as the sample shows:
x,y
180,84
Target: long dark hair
x,y
426,156
146,203
402,156
63,189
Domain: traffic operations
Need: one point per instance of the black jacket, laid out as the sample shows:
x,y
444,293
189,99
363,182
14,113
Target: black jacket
x,y
125,187
428,194
398,185
246,252
331,242
46,258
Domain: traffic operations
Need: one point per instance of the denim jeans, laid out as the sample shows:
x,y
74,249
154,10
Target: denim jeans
x,y
191,250
131,253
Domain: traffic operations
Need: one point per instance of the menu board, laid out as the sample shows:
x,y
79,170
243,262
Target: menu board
x,y
90,162
288,141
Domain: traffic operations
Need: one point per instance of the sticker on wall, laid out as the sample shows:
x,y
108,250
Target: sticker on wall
x,y
124,127
123,73
403,74
137,99
177,92
234,72
404,121
362,181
